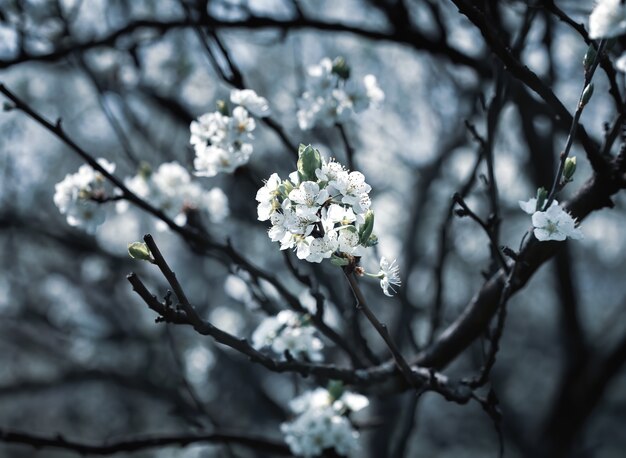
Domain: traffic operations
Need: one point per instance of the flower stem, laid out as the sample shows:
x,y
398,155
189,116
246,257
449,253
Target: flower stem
x,y
382,330
574,127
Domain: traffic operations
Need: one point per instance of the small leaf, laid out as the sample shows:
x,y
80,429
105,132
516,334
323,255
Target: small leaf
x,y
366,229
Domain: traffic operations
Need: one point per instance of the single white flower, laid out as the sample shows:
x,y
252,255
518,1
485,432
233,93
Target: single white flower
x,y
266,197
252,102
608,19
389,274
555,224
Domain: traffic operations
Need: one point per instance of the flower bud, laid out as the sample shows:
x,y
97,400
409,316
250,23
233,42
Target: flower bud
x,y
587,93
341,68
139,250
335,389
309,160
542,195
222,107
590,56
569,168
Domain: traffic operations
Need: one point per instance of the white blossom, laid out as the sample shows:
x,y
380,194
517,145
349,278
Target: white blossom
x,y
555,224
77,196
171,189
266,197
321,423
318,218
222,142
330,98
608,19
288,331
252,102
389,274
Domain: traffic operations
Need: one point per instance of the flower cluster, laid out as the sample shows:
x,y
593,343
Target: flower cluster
x,y
321,211
171,190
332,97
322,422
553,223
80,195
608,19
289,331
221,139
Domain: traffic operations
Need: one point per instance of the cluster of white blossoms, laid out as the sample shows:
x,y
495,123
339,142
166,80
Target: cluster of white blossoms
x,y
608,19
170,189
332,97
322,422
80,195
322,211
221,139
553,223
289,331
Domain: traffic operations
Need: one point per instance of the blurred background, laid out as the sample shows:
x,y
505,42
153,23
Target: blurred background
x,y
81,355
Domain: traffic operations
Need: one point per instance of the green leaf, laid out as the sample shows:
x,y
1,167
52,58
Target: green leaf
x,y
366,228
338,261
309,160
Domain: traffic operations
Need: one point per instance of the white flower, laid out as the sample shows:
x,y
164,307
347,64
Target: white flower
x,y
608,19
77,194
318,217
321,423
252,102
266,197
374,93
240,126
389,274
288,331
555,224
221,142
172,191
330,99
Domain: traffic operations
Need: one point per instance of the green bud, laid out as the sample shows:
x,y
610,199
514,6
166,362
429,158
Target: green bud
x,y
139,250
338,261
366,228
371,241
335,389
542,195
569,168
222,107
587,93
590,56
341,68
144,170
309,160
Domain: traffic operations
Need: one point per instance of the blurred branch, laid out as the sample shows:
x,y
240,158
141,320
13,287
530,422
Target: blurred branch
x,y
143,443
413,38
530,79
